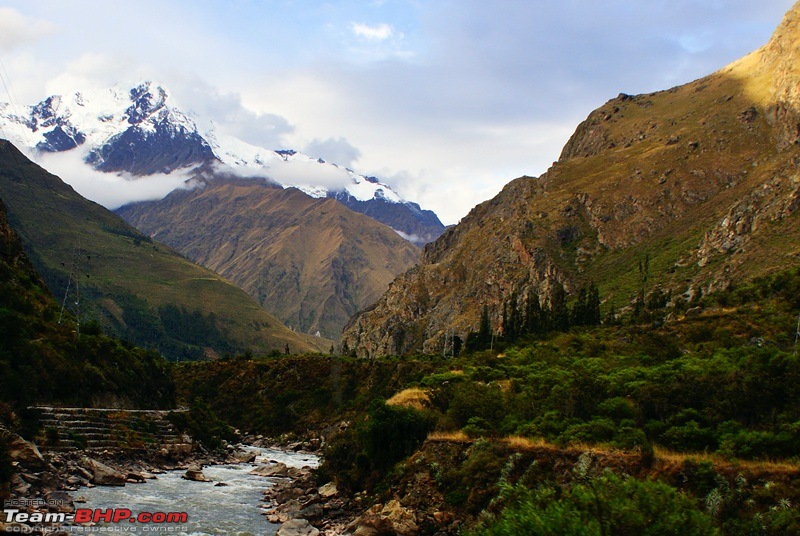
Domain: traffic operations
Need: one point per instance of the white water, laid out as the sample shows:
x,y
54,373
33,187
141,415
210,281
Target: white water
x,y
233,510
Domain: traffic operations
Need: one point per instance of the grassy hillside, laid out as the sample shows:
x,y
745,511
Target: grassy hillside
x,y
134,287
42,361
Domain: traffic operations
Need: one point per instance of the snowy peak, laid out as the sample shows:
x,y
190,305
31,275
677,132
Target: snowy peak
x,y
132,130
137,130
290,168
146,101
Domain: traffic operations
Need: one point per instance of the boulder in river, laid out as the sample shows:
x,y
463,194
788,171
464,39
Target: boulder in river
x,y
244,456
195,474
277,469
102,474
135,478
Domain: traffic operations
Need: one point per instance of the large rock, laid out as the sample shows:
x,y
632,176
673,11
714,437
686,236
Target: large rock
x,y
392,518
328,490
244,456
25,453
195,474
297,527
277,469
102,474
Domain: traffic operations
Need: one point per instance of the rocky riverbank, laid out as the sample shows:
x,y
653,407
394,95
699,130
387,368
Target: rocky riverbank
x,y
305,508
303,505
50,482
412,504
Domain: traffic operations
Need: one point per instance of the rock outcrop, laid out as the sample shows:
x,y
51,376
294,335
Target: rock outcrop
x,y
701,180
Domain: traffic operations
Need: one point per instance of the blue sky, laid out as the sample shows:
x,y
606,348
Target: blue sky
x,y
445,100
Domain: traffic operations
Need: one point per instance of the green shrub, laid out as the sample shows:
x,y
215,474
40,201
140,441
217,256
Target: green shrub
x,y
203,425
477,427
362,454
690,436
607,504
391,433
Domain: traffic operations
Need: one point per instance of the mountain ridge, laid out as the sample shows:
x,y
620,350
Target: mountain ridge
x,y
698,182
311,262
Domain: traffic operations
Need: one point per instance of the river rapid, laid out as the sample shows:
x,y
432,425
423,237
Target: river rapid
x,y
233,509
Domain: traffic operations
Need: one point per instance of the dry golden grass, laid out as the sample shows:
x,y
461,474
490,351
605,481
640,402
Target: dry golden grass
x,y
769,466
411,398
526,443
665,458
452,437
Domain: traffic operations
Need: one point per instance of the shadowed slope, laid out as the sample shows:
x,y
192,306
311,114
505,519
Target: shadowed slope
x,y
139,289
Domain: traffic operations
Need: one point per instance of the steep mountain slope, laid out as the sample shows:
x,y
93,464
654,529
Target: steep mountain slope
x,y
42,361
311,262
139,289
690,189
418,226
140,131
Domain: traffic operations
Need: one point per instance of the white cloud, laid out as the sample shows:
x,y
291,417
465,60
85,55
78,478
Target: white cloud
x,y
410,237
302,174
17,29
111,190
336,150
378,32
96,71
229,114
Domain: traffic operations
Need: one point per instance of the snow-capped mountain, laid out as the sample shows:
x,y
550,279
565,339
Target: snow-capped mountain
x,y
120,130
287,167
137,130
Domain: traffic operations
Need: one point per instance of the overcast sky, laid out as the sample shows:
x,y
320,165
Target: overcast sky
x,y
444,100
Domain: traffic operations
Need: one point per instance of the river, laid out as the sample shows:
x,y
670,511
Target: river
x,y
234,509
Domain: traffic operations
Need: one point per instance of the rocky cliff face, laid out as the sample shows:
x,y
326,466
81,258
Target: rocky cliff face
x,y
701,180
311,262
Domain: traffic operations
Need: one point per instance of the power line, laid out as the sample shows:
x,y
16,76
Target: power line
x,y
72,293
796,334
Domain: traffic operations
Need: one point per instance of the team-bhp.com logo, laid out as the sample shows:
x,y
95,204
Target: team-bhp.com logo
x,y
96,515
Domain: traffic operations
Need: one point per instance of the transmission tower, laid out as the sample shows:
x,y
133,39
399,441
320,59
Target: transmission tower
x,y
71,304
